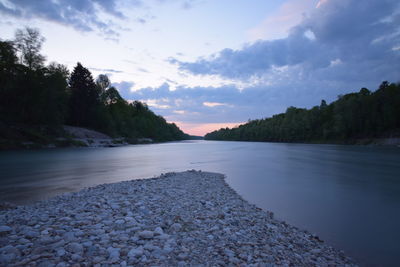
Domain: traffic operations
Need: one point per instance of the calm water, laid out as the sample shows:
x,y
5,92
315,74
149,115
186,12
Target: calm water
x,y
348,195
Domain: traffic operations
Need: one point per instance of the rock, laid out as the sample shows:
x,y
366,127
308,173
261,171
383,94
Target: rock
x,y
163,237
229,253
45,240
4,229
176,227
182,256
31,234
87,244
69,237
44,232
60,252
234,260
6,258
150,247
119,222
146,234
76,257
75,248
126,223
113,254
45,263
167,249
158,231
23,241
98,259
315,251
135,252
58,244
115,206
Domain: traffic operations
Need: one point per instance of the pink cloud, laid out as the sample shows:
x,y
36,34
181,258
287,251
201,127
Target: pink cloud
x,y
277,25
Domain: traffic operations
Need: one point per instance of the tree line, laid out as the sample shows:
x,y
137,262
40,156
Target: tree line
x,y
352,117
35,97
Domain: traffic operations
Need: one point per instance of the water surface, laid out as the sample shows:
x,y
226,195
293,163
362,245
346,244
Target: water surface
x,y
348,195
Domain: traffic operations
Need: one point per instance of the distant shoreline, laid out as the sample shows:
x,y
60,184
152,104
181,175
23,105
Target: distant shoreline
x,y
177,219
394,141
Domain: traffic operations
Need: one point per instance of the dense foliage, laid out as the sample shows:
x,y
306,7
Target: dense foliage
x,y
351,117
33,95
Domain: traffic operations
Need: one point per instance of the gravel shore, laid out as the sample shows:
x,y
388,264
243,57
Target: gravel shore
x,y
178,219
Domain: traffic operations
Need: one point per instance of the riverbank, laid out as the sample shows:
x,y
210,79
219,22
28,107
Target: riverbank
x,y
36,137
187,218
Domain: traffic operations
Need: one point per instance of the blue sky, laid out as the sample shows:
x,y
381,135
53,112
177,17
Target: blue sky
x,y
206,64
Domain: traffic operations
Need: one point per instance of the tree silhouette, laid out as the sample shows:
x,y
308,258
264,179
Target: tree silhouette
x,y
351,117
103,82
29,42
8,58
36,100
84,97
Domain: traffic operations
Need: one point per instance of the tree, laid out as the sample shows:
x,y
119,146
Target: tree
x,y
8,58
103,83
84,98
29,42
323,104
351,117
112,96
35,101
364,91
60,69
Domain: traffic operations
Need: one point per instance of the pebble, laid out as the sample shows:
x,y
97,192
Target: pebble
x,y
179,219
75,248
158,231
176,227
135,252
146,234
4,229
113,254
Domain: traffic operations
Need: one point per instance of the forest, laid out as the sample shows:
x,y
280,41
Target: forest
x,y
36,100
353,118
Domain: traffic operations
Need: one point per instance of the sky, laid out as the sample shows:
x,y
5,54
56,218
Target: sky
x,y
207,64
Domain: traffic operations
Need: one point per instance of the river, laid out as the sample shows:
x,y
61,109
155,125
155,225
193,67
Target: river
x,y
347,195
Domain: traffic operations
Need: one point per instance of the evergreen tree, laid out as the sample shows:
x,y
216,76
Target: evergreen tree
x,y
84,98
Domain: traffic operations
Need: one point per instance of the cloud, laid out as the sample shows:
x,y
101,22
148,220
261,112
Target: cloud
x,y
142,70
83,15
227,103
157,103
141,20
102,16
359,34
202,109
106,70
214,104
124,88
277,25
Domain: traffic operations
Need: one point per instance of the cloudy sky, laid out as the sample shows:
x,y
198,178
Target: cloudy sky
x,y
206,64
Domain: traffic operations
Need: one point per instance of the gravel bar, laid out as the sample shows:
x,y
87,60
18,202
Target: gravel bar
x,y
190,218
